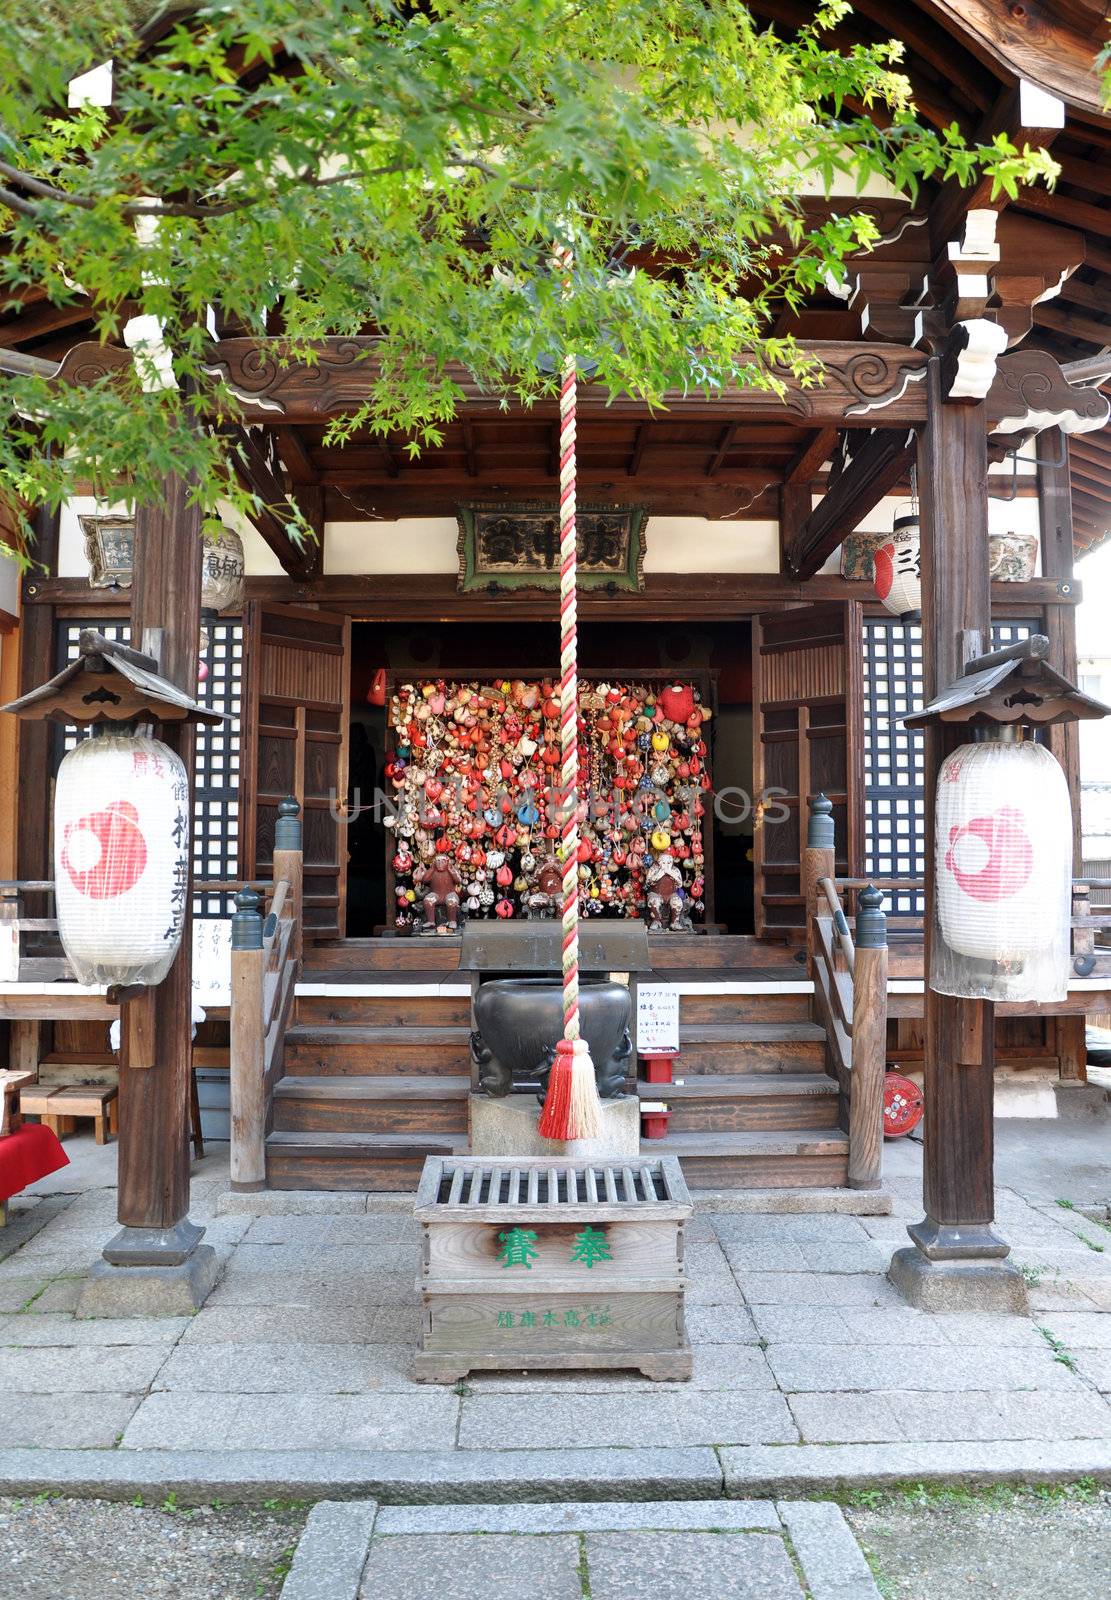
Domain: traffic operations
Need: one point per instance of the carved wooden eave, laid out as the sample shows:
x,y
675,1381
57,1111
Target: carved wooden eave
x,y
1052,44
109,683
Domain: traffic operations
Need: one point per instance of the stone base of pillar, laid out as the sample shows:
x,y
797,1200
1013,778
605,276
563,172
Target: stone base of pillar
x,y
978,1285
157,1291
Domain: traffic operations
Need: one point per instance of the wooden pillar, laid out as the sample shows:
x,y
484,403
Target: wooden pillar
x,y
157,1026
1055,515
957,1260
869,1042
37,663
247,1057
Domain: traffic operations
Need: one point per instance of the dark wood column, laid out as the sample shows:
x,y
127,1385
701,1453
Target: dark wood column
x,y
156,1026
956,1261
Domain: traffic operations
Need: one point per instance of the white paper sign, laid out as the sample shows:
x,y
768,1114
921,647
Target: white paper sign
x,y
212,960
657,1019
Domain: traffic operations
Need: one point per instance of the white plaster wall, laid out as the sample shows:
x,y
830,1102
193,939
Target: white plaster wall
x,y
9,586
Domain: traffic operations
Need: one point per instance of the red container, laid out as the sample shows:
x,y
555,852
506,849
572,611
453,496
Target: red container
x,y
653,1124
657,1069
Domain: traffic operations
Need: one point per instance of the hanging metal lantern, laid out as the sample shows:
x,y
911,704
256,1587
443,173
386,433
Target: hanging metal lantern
x,y
898,569
1003,864
121,858
223,572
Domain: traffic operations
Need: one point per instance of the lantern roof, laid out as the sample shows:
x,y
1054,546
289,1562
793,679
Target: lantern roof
x,y
1012,685
108,682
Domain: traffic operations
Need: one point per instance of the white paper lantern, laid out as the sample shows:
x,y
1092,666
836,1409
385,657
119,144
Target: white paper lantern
x,y
1003,868
898,568
223,572
121,858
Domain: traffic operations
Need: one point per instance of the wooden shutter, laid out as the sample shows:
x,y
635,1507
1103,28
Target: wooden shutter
x,y
295,735
807,740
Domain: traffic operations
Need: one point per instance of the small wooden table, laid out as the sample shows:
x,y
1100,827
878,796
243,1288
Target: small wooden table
x,y
59,1108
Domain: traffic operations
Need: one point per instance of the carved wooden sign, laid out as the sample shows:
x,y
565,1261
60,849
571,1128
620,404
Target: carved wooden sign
x,y
517,546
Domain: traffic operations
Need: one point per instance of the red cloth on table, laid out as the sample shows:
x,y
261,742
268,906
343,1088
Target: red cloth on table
x,y
27,1155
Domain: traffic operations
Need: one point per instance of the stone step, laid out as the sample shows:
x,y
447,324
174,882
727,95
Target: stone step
x,y
417,1104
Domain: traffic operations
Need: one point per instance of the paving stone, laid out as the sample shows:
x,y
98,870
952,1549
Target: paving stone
x,y
333,1259
656,1417
287,1368
831,1229
318,1229
816,1202
784,1324
866,1256
810,1367
186,1420
80,1370
675,1566
331,1551
1080,1330
971,1415
845,1418
16,1291
817,1289
831,1560
77,1422
1095,1365
985,1329
581,1517
749,1256
285,1202
280,1324
714,1289
61,1294
825,1468
1054,1293
55,1328
320,1288
196,1477
1099,1294
1054,1416
463,1566
731,1324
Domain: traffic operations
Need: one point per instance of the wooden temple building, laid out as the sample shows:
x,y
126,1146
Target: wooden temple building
x,y
727,557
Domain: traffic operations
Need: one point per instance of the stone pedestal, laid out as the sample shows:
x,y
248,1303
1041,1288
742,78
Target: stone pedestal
x,y
151,1272
954,1285
507,1127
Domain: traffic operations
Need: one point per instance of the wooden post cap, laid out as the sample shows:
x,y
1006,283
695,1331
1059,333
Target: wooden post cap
x,y
246,925
287,829
819,829
871,923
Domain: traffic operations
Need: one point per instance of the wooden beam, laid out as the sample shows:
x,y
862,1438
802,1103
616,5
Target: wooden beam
x,y
640,439
424,496
1062,208
1072,323
811,457
954,200
273,512
469,453
295,458
876,467
1096,296
725,441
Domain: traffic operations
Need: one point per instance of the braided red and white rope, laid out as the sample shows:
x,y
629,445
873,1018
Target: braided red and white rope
x,y
569,697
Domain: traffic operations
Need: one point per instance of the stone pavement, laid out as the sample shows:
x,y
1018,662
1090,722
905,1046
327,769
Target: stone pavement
x,y
809,1372
739,1550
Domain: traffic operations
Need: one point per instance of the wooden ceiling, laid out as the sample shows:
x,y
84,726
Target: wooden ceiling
x,y
963,59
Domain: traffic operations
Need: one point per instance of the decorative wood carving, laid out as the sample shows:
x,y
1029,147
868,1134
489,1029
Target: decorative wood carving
x,y
857,381
969,360
1030,392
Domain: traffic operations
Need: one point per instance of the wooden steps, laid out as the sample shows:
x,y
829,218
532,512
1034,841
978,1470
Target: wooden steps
x,y
439,953
410,1105
721,1047
396,1010
750,1102
779,1160
327,1051
337,1161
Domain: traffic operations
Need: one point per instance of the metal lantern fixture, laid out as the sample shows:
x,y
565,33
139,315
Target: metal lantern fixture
x,y
1003,830
121,858
898,569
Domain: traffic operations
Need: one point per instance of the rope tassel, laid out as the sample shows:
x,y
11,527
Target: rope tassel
x,y
572,1109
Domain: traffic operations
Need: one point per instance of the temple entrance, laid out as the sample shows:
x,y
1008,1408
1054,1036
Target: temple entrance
x,y
396,670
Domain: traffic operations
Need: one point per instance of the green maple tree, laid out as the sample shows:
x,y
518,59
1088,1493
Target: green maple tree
x,y
402,168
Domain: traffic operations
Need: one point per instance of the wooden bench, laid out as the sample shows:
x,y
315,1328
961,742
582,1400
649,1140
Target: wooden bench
x,y
59,1108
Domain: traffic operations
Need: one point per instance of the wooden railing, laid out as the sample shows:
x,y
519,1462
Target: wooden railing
x,y
850,995
16,961
265,966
